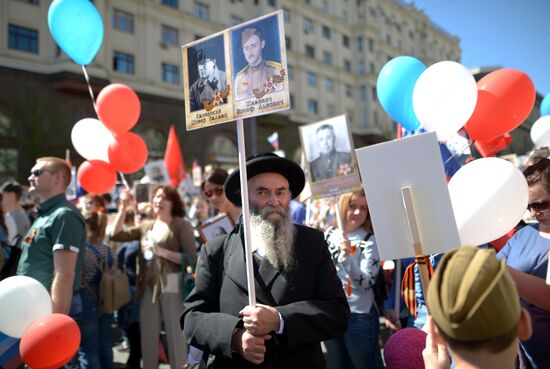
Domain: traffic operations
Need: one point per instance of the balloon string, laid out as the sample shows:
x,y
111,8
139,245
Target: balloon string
x,y
124,181
458,152
89,87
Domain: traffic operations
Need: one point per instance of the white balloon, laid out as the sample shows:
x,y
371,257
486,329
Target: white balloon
x,y
91,139
540,131
22,300
444,98
489,197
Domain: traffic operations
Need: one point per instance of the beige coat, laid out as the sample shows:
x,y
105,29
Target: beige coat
x,y
179,238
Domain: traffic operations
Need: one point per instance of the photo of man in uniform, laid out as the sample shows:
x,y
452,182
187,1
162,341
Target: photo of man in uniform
x,y
330,163
259,76
211,79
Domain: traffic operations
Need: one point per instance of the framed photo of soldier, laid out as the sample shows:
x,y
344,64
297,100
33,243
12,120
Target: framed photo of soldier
x,y
219,226
156,172
206,84
329,156
259,66
240,72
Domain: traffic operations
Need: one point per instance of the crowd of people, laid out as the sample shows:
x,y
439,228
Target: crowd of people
x,y
315,282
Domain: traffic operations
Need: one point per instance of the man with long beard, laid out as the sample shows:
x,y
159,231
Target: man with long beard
x,y
300,299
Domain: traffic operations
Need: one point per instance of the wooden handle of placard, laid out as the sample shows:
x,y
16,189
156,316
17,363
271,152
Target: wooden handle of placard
x,y
406,193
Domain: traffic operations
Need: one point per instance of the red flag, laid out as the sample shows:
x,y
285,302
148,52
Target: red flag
x,y
173,159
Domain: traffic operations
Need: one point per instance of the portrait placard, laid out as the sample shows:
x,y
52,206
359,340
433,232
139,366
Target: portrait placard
x,y
156,172
329,157
416,162
237,73
219,226
206,82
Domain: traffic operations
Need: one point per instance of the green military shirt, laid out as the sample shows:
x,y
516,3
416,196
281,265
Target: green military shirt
x,y
58,226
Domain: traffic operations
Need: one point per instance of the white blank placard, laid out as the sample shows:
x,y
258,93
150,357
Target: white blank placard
x,y
413,161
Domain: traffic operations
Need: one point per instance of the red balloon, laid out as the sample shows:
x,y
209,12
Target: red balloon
x,y
96,176
50,342
505,99
491,147
127,153
118,107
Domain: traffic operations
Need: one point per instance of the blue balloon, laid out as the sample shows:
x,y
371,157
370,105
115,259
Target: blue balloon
x,y
77,28
395,87
545,106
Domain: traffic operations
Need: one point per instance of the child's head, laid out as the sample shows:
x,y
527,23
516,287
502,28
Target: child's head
x,y
473,301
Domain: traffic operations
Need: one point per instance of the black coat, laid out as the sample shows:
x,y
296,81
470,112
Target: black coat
x,y
309,298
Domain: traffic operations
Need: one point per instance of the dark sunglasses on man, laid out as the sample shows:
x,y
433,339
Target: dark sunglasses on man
x,y
538,207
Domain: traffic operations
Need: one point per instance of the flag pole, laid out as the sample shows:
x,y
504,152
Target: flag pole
x,y
246,214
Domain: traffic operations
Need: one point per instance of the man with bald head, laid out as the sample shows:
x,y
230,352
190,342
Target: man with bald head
x,y
300,301
257,75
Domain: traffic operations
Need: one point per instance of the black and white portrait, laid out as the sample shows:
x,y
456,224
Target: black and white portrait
x,y
328,149
219,226
207,76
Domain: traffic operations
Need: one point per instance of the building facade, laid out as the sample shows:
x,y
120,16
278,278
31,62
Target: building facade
x,y
335,50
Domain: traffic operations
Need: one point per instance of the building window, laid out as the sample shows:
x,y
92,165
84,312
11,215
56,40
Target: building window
x,y
170,74
311,79
123,63
271,3
170,35
326,32
310,51
349,91
308,25
286,14
292,105
331,110
371,45
345,40
288,43
312,106
201,10
21,38
123,21
363,93
360,43
365,117
347,65
372,68
290,72
329,84
327,58
236,20
33,2
361,68
170,3
374,93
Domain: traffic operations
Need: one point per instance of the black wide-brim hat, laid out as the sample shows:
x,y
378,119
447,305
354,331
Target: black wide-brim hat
x,y
266,163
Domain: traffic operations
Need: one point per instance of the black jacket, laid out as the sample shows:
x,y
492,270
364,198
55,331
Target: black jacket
x,y
309,298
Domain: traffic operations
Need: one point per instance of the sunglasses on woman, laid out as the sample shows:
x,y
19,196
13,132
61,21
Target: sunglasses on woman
x,y
218,191
538,207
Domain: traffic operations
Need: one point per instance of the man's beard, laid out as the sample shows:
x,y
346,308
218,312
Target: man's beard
x,y
276,236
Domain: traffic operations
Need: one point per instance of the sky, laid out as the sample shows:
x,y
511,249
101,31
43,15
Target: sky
x,y
505,33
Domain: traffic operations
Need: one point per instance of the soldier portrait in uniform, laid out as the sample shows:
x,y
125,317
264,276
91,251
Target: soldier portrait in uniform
x,y
258,68
210,80
328,150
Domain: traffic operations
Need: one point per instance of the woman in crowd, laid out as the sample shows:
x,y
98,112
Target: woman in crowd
x,y
212,189
357,262
96,342
91,203
526,255
163,240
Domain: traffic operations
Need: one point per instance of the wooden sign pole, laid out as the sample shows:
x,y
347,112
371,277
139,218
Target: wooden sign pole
x,y
407,194
246,214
